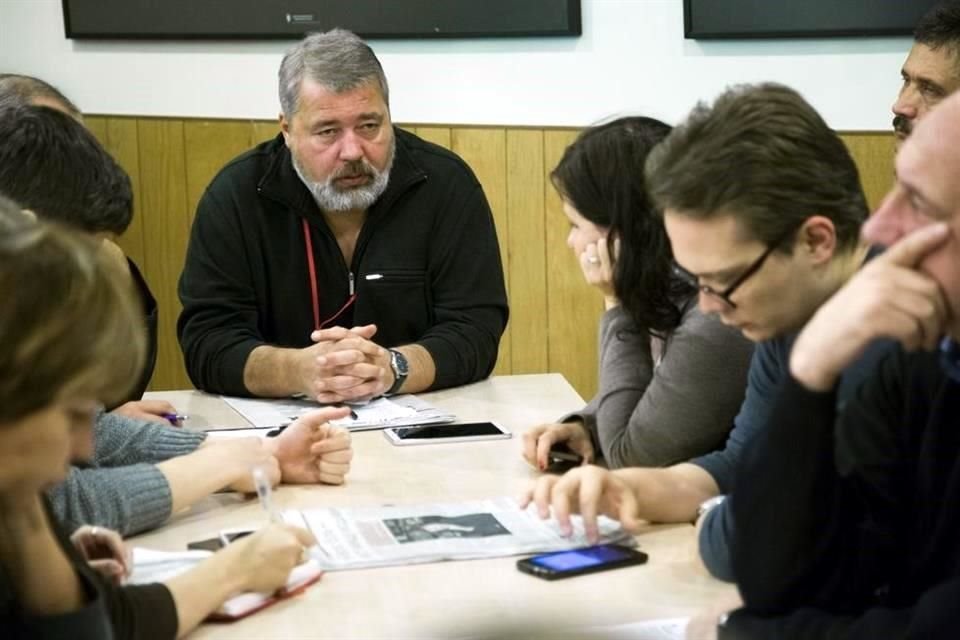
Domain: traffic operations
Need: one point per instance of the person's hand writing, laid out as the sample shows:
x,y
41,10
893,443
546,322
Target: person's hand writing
x,y
311,450
538,441
265,559
104,551
888,298
589,491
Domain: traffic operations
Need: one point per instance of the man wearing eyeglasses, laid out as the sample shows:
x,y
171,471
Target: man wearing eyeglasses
x,y
763,206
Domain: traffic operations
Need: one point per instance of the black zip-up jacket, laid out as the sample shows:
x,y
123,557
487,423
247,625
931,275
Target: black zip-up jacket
x,y
850,528
426,268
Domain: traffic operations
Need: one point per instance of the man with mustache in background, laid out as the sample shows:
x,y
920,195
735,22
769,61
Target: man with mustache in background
x,y
931,71
344,259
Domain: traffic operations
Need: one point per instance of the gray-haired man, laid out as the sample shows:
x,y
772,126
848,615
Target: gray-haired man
x,y
345,258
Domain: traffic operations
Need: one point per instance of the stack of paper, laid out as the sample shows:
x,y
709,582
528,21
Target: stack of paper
x,y
397,411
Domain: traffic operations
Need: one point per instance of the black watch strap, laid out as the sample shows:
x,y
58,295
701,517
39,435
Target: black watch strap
x,y
401,368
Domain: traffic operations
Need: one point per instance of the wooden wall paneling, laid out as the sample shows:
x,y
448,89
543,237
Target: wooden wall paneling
x,y
122,143
119,137
485,151
573,307
98,127
873,153
166,220
526,250
208,146
437,135
263,130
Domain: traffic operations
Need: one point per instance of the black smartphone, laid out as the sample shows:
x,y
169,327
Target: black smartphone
x,y
210,544
230,535
576,562
561,459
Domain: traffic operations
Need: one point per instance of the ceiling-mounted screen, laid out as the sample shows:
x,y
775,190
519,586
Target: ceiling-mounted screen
x,y
800,18
291,19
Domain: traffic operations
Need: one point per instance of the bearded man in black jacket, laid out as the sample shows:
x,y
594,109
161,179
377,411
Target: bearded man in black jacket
x,y
346,258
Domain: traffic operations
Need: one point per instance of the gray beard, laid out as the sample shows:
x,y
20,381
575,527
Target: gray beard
x,y
330,198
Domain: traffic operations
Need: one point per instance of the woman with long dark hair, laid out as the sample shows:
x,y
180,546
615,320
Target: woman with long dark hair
x,y
671,379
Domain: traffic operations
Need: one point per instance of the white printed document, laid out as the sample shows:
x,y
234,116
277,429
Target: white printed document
x,y
396,411
355,538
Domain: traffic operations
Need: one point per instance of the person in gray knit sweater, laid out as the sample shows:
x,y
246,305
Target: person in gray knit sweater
x,y
139,472
671,378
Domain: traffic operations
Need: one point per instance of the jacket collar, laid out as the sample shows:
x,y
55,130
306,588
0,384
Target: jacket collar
x,y
281,183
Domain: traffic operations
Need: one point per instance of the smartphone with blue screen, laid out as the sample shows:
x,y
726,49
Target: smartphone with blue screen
x,y
577,562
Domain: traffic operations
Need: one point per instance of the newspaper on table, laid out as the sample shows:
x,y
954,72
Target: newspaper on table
x,y
355,538
396,411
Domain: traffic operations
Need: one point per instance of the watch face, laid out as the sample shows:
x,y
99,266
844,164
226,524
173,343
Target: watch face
x,y
399,363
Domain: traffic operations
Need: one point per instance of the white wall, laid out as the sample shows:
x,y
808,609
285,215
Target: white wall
x,y
631,58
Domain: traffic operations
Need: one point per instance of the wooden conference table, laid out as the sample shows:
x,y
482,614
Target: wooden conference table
x,y
451,598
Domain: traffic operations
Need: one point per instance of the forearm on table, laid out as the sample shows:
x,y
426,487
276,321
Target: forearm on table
x,y
122,441
200,591
272,372
197,475
671,494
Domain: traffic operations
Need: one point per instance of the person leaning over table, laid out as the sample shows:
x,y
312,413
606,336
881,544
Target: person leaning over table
x,y
762,203
344,259
846,524
671,378
58,336
139,472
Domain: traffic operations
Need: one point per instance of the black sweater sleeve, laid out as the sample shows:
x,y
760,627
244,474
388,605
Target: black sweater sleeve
x,y
808,503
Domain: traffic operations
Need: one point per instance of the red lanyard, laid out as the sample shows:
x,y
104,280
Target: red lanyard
x,y
314,293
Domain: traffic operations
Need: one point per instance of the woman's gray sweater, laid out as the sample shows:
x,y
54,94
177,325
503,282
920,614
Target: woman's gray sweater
x,y
659,402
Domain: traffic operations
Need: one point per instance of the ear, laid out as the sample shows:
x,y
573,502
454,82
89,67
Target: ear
x,y
817,239
284,128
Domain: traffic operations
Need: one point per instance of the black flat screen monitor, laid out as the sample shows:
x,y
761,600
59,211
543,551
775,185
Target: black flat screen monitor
x,y
705,19
291,19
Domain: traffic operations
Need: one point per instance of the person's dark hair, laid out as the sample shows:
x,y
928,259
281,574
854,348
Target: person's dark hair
x,y
69,322
762,154
18,90
52,165
940,27
601,175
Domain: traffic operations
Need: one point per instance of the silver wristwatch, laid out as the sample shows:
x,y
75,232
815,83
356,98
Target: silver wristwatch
x,y
708,504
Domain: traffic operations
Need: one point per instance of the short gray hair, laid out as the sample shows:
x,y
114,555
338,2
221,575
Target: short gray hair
x,y
337,59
